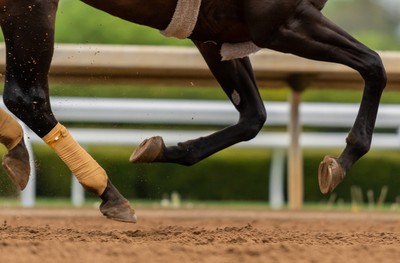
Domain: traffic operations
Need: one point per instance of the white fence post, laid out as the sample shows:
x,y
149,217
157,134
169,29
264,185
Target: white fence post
x,y
276,181
28,195
77,192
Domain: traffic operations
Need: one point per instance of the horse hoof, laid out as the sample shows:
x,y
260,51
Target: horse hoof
x,y
148,151
330,174
16,165
120,212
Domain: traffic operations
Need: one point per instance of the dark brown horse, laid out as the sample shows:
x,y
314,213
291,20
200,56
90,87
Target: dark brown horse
x,y
290,26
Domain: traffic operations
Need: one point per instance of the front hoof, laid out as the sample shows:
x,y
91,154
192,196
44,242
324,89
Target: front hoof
x,y
330,174
16,165
150,150
120,212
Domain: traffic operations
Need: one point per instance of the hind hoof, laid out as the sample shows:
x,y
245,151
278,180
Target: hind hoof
x,y
150,150
16,165
121,212
330,174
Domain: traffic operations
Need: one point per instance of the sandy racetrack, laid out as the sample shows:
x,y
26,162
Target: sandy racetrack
x,y
198,235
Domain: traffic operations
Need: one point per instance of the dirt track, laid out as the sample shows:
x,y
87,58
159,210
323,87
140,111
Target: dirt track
x,y
198,235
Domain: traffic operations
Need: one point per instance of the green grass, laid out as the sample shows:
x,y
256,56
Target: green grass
x,y
208,93
91,202
196,204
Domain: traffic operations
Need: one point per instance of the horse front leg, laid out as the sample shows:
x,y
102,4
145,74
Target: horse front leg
x,y
307,33
28,28
16,160
237,80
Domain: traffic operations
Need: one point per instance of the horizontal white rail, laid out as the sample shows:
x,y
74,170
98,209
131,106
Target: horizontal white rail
x,y
218,113
198,112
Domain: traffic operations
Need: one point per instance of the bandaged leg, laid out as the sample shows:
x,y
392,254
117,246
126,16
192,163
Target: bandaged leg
x,y
88,172
11,132
16,160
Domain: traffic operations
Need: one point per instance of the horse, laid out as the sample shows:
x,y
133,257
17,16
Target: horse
x,y
289,26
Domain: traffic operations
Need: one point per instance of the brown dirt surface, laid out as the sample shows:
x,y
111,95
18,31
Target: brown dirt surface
x,y
198,235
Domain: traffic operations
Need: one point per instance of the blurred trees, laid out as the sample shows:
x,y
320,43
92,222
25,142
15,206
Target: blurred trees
x,y
373,22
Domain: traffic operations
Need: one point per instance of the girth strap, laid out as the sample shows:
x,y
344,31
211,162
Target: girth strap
x,y
184,19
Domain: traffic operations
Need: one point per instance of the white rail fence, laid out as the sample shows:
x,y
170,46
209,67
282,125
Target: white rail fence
x,y
218,113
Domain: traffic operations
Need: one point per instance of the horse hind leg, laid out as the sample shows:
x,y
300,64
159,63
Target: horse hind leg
x,y
237,80
309,34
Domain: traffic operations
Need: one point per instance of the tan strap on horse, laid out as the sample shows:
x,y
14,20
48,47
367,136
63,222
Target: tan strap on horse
x,y
88,172
11,132
184,19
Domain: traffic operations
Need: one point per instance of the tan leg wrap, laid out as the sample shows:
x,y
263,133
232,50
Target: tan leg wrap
x,y
88,172
11,132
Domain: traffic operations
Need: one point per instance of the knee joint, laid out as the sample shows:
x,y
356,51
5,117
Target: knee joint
x,y
375,70
252,125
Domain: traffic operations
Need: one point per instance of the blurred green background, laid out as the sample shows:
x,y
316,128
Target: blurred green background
x,y
233,174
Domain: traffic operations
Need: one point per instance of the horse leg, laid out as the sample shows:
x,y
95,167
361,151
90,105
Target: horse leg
x,y
237,80
28,28
307,33
16,160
